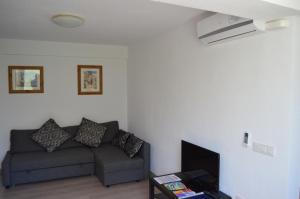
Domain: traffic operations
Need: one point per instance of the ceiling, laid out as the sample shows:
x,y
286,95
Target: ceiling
x,y
252,9
120,22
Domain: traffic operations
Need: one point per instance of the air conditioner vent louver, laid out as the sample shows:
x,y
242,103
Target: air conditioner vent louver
x,y
219,28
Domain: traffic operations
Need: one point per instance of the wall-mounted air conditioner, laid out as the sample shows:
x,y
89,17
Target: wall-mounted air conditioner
x,y
219,28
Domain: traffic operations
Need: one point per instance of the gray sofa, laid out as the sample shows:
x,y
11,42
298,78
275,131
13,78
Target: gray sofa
x,y
27,162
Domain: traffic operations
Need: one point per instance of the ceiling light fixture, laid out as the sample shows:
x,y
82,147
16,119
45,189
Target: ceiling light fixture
x,y
68,20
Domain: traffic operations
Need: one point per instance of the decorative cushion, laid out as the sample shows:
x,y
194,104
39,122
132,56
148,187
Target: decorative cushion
x,y
112,129
133,145
120,139
90,133
50,136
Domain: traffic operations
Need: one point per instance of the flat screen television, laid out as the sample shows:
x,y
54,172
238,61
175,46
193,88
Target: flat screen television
x,y
200,166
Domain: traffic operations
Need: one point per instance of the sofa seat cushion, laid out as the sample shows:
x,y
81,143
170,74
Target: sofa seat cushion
x,y
112,159
42,160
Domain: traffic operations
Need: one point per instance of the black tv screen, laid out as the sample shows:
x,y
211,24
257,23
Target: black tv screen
x,y
201,167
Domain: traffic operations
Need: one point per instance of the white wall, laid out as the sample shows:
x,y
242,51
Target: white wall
x,y
180,89
287,3
60,100
295,134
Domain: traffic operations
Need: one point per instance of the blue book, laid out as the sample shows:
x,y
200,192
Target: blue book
x,y
198,196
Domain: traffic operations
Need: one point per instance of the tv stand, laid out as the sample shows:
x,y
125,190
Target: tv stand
x,y
167,194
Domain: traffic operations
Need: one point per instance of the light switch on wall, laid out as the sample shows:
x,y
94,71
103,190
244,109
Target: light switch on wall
x,y
247,139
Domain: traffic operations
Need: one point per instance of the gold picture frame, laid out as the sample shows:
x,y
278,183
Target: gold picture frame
x,y
26,79
90,79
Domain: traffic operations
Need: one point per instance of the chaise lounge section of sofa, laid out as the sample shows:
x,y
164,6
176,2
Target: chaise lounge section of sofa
x,y
27,162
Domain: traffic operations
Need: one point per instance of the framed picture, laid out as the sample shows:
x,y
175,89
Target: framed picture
x,y
90,80
26,79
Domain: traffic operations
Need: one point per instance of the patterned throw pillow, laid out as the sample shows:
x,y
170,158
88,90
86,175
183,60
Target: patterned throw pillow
x,y
50,135
90,133
133,145
120,139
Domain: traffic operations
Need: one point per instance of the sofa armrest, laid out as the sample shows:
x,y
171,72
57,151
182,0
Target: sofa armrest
x,y
6,170
145,154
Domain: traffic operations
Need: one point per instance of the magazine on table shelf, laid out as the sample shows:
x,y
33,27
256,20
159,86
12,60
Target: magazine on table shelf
x,y
184,193
174,186
167,179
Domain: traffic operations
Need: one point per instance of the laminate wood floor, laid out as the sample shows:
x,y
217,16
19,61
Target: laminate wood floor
x,y
76,188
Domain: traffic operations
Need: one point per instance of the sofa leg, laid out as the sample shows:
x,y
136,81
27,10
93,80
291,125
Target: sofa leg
x,y
137,181
107,186
7,187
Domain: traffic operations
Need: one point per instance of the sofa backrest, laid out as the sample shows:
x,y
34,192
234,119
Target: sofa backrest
x,y
21,141
70,143
111,131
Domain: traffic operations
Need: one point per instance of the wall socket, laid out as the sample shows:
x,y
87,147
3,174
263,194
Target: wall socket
x,y
263,149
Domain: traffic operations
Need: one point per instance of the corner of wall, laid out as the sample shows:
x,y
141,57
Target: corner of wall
x,y
294,148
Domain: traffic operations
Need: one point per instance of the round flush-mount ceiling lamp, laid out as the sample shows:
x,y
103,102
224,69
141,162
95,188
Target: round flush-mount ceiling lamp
x,y
68,20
